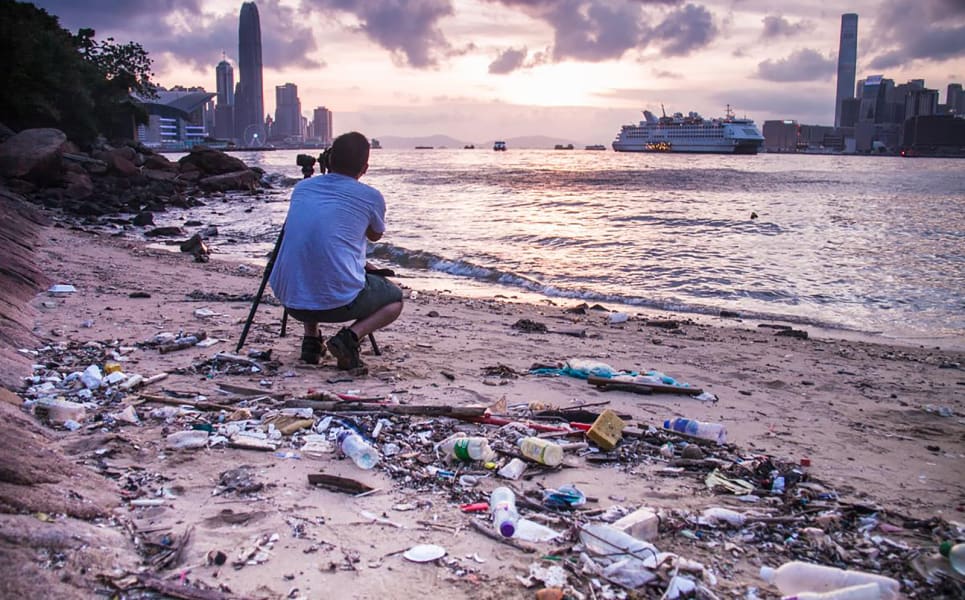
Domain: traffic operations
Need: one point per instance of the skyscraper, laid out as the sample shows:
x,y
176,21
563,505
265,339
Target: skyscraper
x,y
224,113
288,111
249,98
847,62
226,82
322,125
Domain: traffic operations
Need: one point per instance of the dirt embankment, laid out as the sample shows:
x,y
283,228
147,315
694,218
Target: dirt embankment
x,y
46,500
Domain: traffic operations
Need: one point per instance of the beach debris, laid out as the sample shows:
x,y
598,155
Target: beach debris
x,y
61,289
424,553
338,484
530,326
607,430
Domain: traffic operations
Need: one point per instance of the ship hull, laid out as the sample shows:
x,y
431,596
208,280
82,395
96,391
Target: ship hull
x,y
688,148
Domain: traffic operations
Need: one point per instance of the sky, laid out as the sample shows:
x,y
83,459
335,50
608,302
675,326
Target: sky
x,y
477,70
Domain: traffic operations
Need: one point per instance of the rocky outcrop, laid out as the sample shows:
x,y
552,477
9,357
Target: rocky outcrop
x,y
45,168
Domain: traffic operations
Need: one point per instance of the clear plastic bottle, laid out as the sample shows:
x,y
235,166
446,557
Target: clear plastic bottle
x,y
714,432
797,577
607,540
868,591
955,553
353,446
460,447
502,504
541,450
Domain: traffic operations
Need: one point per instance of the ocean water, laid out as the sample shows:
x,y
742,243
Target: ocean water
x,y
870,245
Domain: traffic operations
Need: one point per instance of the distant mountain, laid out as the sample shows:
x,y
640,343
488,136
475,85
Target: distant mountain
x,y
540,142
407,143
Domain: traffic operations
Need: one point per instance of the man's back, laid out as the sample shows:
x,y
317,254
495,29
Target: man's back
x,y
321,262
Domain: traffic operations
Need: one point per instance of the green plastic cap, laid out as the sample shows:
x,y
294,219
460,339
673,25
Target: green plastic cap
x,y
945,548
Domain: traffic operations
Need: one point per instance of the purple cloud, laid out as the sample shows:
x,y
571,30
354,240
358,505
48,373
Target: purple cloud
x,y
802,65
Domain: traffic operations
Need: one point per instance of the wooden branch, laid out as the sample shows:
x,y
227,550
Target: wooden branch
x,y
184,402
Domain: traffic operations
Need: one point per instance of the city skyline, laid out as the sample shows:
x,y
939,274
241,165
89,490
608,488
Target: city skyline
x,y
571,69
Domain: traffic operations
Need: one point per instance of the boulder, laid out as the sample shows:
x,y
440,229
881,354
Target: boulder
x,y
122,165
158,175
33,154
143,218
79,185
238,180
159,162
211,162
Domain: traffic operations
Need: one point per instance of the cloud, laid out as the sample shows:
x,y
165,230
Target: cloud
x,y
806,105
904,32
663,74
685,30
600,30
407,28
802,65
508,61
173,31
776,27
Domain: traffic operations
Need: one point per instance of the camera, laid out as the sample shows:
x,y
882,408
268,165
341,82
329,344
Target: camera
x,y
307,163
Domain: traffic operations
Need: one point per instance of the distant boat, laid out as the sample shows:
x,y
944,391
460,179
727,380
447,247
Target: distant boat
x,y
562,147
423,147
469,147
499,146
374,144
691,133
596,147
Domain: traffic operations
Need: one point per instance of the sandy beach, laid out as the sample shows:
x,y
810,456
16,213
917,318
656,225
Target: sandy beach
x,y
880,425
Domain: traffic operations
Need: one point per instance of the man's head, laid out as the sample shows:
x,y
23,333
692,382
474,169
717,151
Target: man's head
x,y
349,154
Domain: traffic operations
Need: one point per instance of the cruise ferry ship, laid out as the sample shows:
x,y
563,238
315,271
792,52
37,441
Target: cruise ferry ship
x,y
690,133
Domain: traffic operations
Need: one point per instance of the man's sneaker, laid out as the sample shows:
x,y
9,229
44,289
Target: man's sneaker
x,y
345,347
312,350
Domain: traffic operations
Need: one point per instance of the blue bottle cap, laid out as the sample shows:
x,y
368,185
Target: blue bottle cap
x,y
507,529
666,424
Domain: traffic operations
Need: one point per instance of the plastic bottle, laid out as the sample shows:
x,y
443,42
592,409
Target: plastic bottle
x,y
796,577
714,432
353,446
609,541
542,451
189,438
868,591
955,553
502,503
465,448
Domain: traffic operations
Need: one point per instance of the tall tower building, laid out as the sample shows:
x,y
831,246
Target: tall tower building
x,y
249,98
225,82
288,111
322,125
847,62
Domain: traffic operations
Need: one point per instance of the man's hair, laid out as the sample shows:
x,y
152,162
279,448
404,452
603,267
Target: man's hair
x,y
349,154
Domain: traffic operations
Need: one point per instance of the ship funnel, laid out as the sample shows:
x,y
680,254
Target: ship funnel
x,y
649,116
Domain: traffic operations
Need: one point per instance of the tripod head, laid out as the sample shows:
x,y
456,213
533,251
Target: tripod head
x,y
307,163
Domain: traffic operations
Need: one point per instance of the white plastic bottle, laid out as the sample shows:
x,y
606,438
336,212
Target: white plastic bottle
x,y
607,540
460,447
353,446
541,450
868,591
502,504
714,432
797,577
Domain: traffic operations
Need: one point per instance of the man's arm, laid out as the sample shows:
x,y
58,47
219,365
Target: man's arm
x,y
373,236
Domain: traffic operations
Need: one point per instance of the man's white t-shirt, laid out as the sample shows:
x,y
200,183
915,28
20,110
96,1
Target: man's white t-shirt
x,y
321,262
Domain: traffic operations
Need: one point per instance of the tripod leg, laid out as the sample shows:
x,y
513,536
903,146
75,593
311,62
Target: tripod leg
x,y
284,323
375,347
261,291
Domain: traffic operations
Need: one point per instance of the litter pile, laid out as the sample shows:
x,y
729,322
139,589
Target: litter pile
x,y
487,463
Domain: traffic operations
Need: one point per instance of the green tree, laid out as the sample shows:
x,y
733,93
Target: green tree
x,y
51,78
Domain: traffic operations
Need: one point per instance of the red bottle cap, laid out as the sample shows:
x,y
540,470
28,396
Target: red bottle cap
x,y
805,462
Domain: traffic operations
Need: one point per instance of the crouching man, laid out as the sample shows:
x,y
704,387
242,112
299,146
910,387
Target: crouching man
x,y
321,274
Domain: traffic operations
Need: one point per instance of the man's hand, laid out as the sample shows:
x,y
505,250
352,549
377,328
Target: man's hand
x,y
380,272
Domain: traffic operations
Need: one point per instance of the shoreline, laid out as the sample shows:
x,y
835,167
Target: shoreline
x,y
865,415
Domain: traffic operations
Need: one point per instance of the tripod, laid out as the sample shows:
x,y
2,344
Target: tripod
x,y
307,163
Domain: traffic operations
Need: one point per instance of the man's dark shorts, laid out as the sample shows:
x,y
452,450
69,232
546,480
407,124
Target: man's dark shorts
x,y
378,292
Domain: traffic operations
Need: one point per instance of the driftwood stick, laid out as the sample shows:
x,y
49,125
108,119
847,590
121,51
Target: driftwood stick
x,y
185,402
457,412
